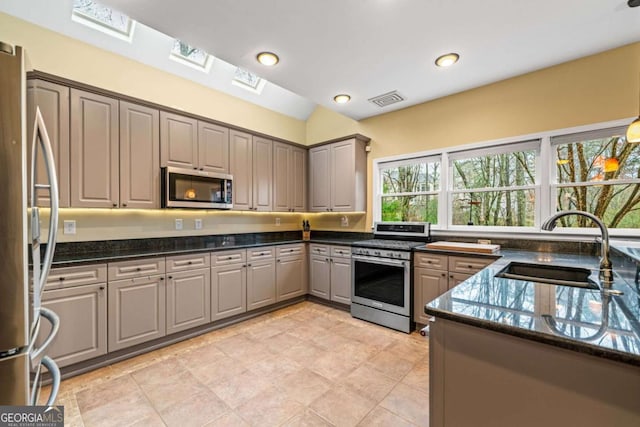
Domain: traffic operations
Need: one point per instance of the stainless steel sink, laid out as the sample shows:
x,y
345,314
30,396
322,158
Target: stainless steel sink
x,y
552,274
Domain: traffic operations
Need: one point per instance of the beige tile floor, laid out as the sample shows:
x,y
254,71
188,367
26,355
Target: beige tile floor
x,y
304,365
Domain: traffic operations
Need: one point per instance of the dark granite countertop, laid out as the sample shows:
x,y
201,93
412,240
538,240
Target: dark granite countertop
x,y
586,321
75,253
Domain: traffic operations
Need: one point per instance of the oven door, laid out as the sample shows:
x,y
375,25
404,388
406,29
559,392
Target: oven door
x,y
381,283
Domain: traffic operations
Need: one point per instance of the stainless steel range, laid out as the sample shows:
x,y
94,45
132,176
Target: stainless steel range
x,y
381,280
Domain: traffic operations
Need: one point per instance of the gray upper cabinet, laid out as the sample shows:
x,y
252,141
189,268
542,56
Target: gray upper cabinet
x,y
240,166
53,100
213,147
262,173
251,164
94,150
338,174
139,156
178,141
289,178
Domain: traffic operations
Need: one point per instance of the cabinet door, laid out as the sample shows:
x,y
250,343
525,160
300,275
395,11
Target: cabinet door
x,y
213,147
342,176
262,174
188,299
261,283
281,177
320,276
320,185
341,280
428,285
298,179
228,291
53,101
83,323
136,311
178,141
240,166
457,278
139,156
290,277
94,150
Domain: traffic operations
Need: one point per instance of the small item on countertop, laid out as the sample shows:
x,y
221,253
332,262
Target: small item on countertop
x,y
306,230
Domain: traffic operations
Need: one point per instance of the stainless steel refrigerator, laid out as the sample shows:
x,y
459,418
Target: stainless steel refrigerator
x,y
22,354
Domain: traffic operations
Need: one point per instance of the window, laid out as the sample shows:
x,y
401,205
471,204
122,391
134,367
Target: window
x,y
247,80
191,56
597,172
410,190
494,186
514,184
102,18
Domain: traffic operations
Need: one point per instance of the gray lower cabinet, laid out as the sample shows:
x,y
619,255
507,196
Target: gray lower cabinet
x,y
188,299
261,277
341,280
228,290
330,272
136,311
83,323
291,272
428,285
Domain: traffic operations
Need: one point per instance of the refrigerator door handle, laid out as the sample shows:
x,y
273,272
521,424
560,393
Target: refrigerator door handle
x,y
53,318
41,140
54,371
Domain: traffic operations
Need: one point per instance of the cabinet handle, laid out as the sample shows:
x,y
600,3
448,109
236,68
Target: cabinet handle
x,y
429,262
101,288
201,169
248,265
115,205
124,205
195,168
444,274
61,279
244,265
189,262
162,278
326,259
138,269
451,276
170,277
278,260
469,266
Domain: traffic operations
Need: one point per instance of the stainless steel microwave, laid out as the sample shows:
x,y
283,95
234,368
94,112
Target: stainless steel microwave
x,y
186,188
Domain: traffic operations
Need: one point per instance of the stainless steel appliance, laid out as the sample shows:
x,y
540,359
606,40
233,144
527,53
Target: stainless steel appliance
x,y
381,284
189,188
21,358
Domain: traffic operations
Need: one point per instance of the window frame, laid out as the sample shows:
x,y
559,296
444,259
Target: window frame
x,y
544,208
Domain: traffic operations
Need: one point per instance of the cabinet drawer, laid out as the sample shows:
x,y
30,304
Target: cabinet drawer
x,y
290,250
256,254
228,257
341,251
136,268
316,249
188,262
67,277
468,265
423,259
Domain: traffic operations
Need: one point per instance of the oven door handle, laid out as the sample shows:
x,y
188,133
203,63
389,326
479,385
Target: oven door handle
x,y
383,261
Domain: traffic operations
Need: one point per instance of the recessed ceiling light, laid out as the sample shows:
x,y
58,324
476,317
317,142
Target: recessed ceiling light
x,y
447,60
268,58
343,98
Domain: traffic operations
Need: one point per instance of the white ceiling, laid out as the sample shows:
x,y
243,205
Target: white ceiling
x,y
370,47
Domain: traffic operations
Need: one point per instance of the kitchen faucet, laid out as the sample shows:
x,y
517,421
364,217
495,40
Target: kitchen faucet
x,y
606,270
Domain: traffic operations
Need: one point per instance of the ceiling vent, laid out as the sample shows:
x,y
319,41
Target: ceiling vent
x,y
387,99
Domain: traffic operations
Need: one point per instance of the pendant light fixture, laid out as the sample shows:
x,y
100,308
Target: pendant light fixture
x,y
633,131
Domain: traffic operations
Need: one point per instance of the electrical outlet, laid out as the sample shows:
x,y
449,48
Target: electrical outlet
x,y
344,221
198,224
178,224
484,241
278,222
69,227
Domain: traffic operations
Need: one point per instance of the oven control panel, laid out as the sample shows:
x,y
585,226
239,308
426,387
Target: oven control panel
x,y
382,253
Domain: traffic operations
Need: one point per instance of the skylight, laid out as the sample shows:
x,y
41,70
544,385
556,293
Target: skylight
x,y
189,55
103,18
247,80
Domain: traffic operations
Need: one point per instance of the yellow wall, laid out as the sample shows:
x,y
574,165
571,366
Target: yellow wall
x,y
589,90
54,53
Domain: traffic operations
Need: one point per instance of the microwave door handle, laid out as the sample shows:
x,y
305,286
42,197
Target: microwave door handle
x,y
41,139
